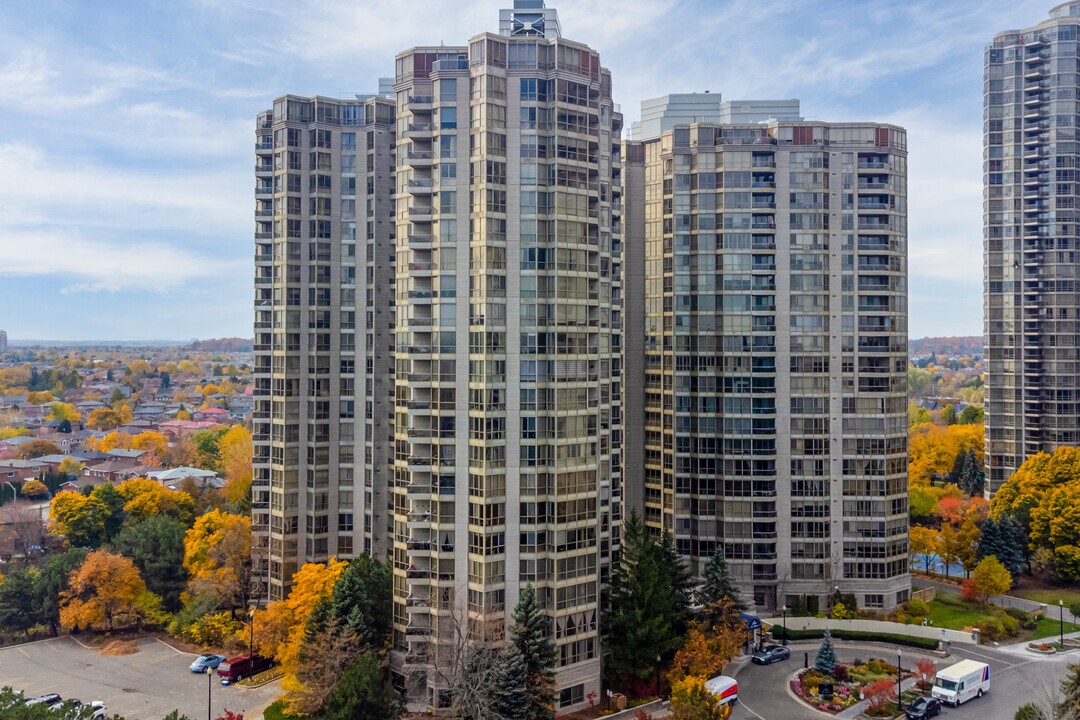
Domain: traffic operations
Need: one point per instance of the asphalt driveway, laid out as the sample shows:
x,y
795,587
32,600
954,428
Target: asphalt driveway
x,y
144,686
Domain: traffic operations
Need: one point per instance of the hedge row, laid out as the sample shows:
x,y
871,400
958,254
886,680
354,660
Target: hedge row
x,y
780,632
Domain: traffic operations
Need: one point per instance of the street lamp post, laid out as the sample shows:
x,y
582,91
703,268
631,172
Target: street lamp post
x,y
784,610
209,692
1061,621
251,632
658,675
899,690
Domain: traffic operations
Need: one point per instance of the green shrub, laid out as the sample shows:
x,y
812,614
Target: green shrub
x,y
1028,621
917,608
905,640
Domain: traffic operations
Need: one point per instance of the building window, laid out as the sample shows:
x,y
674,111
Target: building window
x,y
572,695
874,601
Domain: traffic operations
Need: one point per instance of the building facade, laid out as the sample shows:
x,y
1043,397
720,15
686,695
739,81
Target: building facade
x,y
775,353
324,274
3,341
507,434
1031,242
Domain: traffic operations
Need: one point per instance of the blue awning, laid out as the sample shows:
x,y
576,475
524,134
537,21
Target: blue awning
x,y
753,622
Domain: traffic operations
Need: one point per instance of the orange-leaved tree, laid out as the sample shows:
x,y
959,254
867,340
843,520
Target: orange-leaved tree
x,y
217,556
154,442
106,587
282,627
690,700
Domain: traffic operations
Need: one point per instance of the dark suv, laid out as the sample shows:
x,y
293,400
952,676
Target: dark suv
x,y
923,708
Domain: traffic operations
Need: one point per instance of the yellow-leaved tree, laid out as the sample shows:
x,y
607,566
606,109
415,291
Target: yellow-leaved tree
x,y
64,411
236,449
106,587
104,418
145,497
281,628
217,556
155,442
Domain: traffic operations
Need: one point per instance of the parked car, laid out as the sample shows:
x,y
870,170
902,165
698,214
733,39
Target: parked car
x,y
923,708
49,700
206,662
770,654
238,668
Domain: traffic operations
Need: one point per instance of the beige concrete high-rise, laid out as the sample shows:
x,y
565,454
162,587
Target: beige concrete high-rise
x,y
508,411
775,353
324,244
1032,242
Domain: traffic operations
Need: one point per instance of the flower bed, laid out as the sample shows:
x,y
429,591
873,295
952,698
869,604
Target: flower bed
x,y
848,681
1041,648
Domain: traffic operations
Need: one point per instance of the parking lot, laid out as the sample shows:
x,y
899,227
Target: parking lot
x,y
144,686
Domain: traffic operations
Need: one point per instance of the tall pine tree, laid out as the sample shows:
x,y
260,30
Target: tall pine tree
x,y
649,603
509,696
530,637
717,584
1002,539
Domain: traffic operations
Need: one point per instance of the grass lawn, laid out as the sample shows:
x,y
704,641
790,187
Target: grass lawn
x,y
1050,596
1049,627
953,612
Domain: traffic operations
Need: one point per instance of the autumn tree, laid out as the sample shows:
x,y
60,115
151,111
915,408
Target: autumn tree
x,y
33,487
924,542
990,577
36,449
235,450
967,541
217,557
104,588
879,693
70,466
282,627
104,418
691,700
145,497
154,442
41,397
64,411
78,517
971,415
708,648
948,414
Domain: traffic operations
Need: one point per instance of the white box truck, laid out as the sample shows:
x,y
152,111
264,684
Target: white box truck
x,y
959,683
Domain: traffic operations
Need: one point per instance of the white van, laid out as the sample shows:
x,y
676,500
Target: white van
x,y
960,682
725,688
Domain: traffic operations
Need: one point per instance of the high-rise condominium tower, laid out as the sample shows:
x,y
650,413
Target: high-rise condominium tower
x,y
324,244
507,428
775,352
3,341
1032,242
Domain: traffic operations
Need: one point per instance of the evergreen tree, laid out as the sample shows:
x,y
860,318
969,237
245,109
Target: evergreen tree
x,y
531,638
968,474
649,600
1070,691
717,584
825,661
509,696
361,599
1002,539
17,600
363,692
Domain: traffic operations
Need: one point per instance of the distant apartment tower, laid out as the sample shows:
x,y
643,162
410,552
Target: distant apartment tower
x,y
658,115
775,352
324,274
3,341
508,411
1032,242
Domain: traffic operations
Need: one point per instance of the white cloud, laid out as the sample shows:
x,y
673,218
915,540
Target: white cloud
x,y
112,267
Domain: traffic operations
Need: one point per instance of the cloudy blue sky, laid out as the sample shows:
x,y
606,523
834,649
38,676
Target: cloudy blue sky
x,y
126,131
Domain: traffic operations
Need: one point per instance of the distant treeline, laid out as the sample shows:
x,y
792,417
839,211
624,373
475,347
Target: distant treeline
x,y
223,345
946,345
